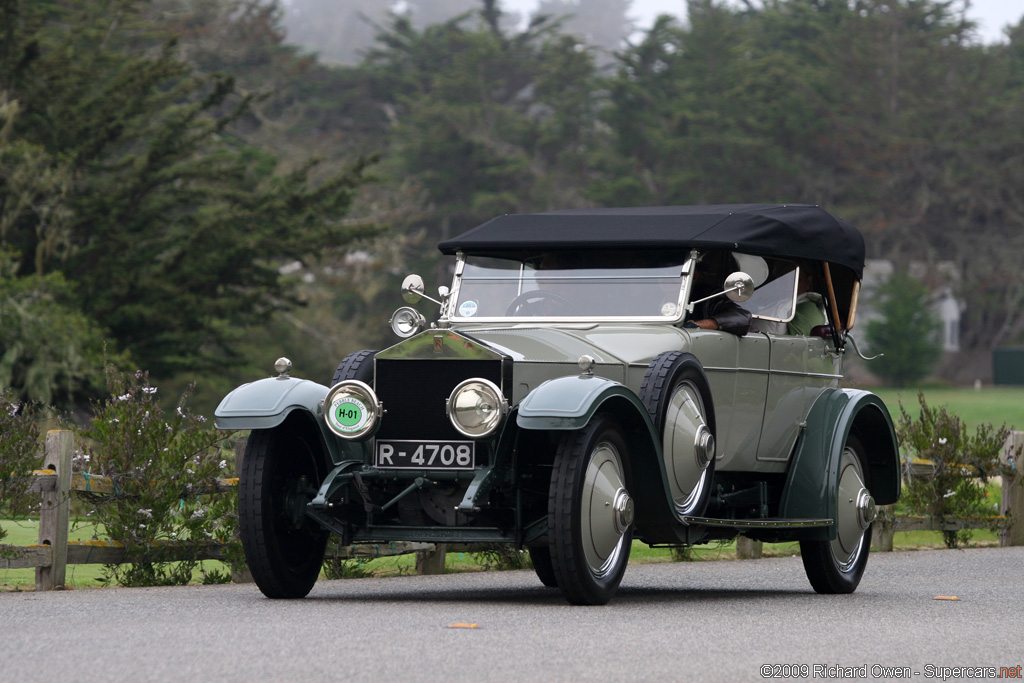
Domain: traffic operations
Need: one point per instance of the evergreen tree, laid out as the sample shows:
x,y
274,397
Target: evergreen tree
x,y
172,226
906,332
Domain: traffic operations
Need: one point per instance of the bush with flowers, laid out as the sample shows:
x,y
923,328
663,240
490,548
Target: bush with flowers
x,y
19,455
163,467
954,484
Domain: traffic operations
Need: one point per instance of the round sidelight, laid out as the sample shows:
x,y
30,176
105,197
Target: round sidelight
x,y
352,409
476,407
407,321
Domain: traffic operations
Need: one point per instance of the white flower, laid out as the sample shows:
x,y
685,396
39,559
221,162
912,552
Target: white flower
x,y
142,526
123,397
198,513
201,418
949,494
942,441
180,413
223,464
149,390
146,512
114,420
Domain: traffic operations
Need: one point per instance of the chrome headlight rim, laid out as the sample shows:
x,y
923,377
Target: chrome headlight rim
x,y
407,322
352,410
490,425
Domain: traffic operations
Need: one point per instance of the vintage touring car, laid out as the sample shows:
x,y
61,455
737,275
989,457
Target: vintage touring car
x,y
667,374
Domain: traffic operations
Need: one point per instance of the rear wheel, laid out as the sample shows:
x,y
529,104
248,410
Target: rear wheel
x,y
590,512
837,566
283,548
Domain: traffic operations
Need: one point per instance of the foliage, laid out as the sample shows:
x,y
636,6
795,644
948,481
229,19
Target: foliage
x,y
961,466
171,226
50,351
161,465
906,332
337,567
501,556
19,455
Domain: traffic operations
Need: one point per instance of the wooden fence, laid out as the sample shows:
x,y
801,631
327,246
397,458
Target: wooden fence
x,y
57,480
54,551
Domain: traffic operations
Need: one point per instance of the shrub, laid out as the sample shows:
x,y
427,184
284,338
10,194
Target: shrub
x,y
906,332
961,466
162,468
19,455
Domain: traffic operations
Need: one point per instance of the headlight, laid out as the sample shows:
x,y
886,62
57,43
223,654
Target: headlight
x,y
352,409
476,407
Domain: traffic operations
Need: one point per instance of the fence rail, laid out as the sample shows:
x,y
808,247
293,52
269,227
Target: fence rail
x,y
57,480
54,551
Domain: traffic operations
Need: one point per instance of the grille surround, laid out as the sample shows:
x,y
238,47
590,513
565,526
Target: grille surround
x,y
414,391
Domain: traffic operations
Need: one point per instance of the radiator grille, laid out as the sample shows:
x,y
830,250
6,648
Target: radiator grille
x,y
414,391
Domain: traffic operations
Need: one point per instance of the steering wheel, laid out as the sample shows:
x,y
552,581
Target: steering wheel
x,y
535,298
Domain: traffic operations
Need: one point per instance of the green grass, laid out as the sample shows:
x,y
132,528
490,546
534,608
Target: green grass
x,y
989,405
88,575
22,532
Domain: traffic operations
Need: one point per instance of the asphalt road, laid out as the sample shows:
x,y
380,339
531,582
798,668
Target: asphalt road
x,y
705,621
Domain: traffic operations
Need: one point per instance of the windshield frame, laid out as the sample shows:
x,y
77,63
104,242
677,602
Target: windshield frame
x,y
450,310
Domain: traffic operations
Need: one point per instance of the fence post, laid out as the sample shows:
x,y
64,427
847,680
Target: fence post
x,y
884,528
748,548
431,561
55,508
1013,491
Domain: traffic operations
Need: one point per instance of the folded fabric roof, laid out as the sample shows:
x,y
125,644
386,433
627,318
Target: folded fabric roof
x,y
781,230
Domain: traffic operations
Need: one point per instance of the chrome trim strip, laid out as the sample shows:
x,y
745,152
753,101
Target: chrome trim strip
x,y
757,523
761,371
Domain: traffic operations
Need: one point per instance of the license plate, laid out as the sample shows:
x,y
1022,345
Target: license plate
x,y
423,455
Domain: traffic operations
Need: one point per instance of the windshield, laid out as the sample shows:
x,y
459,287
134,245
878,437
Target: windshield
x,y
619,285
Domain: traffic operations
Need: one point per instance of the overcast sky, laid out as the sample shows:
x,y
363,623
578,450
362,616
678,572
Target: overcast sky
x,y
991,15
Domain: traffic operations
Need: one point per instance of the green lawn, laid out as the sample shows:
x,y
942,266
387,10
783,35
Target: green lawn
x,y
22,532
88,575
989,405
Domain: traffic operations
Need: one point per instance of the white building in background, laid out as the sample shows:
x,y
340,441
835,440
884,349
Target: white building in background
x,y
946,306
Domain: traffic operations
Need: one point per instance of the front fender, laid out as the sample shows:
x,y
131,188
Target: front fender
x,y
810,490
266,403
570,402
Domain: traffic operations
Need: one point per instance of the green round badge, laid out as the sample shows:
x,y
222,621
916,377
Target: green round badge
x,y
348,414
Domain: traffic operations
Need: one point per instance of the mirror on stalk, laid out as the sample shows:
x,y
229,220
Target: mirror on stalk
x,y
412,289
739,287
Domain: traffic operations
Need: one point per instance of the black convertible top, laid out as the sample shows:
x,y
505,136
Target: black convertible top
x,y
783,230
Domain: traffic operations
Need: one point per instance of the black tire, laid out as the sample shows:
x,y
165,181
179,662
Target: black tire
x,y
837,566
284,551
672,377
540,556
357,365
590,514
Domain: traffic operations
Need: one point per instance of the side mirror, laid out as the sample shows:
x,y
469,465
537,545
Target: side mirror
x,y
739,287
412,289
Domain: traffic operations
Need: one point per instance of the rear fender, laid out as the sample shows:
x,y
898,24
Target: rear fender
x,y
569,403
810,490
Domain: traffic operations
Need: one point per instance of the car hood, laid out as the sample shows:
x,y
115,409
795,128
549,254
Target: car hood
x,y
626,344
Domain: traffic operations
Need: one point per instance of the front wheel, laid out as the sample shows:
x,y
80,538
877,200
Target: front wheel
x,y
837,566
283,548
590,512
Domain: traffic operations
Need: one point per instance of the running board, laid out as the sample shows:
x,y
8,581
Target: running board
x,y
766,523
